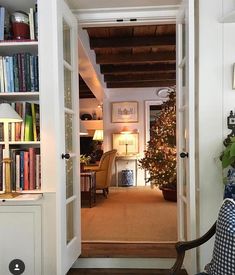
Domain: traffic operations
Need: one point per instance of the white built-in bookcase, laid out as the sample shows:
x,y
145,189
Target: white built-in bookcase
x,y
27,222
8,47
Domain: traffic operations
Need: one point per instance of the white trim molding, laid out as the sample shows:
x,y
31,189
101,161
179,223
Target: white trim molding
x,y
126,16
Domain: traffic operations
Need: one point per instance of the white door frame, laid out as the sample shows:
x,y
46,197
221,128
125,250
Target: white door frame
x,y
185,109
106,18
67,250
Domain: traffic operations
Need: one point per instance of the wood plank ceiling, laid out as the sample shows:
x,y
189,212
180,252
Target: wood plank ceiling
x,y
135,56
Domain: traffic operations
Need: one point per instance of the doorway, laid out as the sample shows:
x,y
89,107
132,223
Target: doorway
x,y
170,83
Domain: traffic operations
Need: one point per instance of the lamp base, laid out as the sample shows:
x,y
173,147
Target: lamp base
x,y
9,195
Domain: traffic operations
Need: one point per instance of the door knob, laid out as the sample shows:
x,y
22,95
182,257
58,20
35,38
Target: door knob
x,y
65,156
183,155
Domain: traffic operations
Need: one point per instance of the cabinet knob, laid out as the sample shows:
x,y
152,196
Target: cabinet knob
x,y
184,155
65,156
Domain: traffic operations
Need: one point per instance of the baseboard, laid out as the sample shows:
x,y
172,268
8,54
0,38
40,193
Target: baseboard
x,y
151,263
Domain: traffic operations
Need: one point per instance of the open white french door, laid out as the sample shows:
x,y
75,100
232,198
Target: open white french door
x,y
68,194
186,129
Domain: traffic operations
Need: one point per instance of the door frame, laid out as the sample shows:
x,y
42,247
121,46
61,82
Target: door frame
x,y
105,19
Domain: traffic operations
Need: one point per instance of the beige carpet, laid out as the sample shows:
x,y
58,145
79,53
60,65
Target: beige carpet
x,y
130,214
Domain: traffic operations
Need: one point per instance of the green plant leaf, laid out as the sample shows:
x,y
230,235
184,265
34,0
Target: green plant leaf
x,y
227,160
232,150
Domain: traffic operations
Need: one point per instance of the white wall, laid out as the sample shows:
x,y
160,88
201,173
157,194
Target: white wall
x,y
216,43
131,94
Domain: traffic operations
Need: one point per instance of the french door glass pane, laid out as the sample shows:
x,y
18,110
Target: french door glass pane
x,y
66,42
67,88
68,132
70,226
69,148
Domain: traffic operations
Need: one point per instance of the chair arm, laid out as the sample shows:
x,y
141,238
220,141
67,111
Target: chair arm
x,y
91,168
181,247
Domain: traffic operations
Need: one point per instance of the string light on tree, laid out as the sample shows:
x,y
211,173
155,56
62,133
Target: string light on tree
x,y
160,156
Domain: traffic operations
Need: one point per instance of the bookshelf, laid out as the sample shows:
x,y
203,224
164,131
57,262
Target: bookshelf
x,y
46,220
19,86
21,217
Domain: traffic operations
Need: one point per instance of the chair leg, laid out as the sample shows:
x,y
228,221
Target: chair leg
x,y
105,193
107,190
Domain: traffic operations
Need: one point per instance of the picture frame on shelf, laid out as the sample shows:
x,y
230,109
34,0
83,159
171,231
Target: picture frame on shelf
x,y
124,112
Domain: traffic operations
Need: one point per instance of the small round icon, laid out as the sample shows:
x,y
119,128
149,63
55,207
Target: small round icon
x,y
16,267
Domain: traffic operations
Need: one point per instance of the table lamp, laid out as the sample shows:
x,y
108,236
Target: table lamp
x,y
98,135
7,115
127,138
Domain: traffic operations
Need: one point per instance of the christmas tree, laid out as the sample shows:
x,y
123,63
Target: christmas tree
x,y
160,155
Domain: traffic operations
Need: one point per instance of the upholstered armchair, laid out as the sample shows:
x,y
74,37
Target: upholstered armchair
x,y
223,260
104,171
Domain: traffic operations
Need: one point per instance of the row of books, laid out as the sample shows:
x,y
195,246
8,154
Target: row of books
x,y
19,73
7,28
25,169
29,129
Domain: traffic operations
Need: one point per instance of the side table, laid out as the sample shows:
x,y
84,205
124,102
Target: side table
x,y
88,187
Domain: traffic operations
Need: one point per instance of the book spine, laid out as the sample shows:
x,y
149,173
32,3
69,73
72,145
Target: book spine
x,y
34,122
38,174
23,69
8,73
18,108
5,74
17,173
20,72
28,135
11,74
2,19
32,80
16,73
32,168
23,122
36,77
1,75
13,166
21,170
27,72
26,170
37,119
31,24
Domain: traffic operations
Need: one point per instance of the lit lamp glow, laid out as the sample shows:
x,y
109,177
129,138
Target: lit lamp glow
x,y
7,115
127,138
98,135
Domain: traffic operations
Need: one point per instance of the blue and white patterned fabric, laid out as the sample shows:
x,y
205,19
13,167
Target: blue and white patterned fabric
x,y
229,190
223,261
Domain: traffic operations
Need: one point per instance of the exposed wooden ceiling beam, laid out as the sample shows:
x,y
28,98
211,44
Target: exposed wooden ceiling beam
x,y
135,58
140,77
141,84
132,42
140,68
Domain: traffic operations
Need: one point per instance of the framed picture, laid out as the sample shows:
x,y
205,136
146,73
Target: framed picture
x,y
125,111
126,144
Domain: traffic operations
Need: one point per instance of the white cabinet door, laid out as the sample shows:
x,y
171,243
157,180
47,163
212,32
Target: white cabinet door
x,y
186,129
67,193
20,238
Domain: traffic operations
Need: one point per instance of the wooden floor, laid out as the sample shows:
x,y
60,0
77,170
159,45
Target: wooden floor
x,y
128,250
117,271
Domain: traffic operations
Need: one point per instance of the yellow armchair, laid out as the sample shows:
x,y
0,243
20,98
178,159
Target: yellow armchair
x,y
104,171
